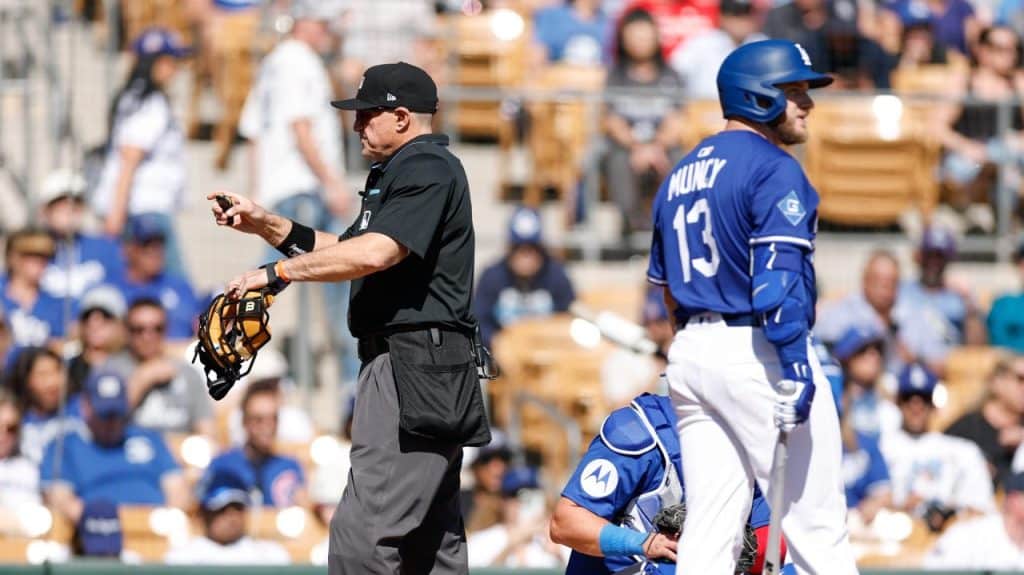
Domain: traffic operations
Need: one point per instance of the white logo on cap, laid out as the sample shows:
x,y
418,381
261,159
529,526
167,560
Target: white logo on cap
x,y
108,387
391,97
803,54
152,43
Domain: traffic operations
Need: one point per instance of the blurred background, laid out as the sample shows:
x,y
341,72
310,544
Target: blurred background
x,y
118,117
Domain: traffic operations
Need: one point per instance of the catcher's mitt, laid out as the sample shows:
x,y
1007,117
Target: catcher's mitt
x,y
230,334
669,521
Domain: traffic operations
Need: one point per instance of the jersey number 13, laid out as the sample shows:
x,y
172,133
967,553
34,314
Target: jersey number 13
x,y
708,265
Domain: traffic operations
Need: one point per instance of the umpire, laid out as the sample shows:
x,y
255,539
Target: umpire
x,y
409,255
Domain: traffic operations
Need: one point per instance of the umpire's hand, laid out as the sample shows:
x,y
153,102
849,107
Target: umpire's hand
x,y
661,546
244,214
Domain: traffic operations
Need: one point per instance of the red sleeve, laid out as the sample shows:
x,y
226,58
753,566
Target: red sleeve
x,y
762,546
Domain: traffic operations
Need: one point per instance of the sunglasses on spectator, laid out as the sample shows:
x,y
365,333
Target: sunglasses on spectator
x,y
1002,47
11,428
141,329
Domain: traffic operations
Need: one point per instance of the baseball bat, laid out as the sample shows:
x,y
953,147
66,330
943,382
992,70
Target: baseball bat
x,y
616,329
773,553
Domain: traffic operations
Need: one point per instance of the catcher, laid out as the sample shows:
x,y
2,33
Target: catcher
x,y
622,510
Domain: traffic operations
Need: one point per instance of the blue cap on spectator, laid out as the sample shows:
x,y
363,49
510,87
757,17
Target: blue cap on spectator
x,y
524,227
223,489
654,306
146,228
855,340
99,529
916,14
1014,482
517,479
107,393
159,42
940,240
916,379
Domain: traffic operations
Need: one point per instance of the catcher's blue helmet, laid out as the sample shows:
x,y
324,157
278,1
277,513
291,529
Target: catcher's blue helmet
x,y
749,76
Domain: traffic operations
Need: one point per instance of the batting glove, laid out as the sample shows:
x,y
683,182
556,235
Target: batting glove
x,y
793,405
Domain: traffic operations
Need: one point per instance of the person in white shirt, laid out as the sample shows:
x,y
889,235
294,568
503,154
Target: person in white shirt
x,y
19,476
223,509
933,475
145,168
296,147
697,61
994,542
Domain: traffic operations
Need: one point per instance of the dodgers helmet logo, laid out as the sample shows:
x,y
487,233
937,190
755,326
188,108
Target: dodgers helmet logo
x,y
599,478
791,208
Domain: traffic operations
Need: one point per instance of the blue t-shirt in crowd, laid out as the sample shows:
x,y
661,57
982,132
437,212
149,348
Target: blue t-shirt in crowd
x,y
129,473
38,429
176,295
277,478
85,262
501,300
946,302
36,325
864,470
1006,322
947,27
569,38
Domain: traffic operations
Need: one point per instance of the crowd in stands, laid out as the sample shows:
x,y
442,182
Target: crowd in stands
x,y
98,306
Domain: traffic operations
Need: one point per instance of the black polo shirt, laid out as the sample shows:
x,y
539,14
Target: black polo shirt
x,y
418,197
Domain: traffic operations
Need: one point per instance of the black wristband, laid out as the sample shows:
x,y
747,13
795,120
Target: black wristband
x,y
301,240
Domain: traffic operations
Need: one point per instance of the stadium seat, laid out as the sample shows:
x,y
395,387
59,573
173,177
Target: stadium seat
x,y
233,67
930,79
294,528
625,300
540,357
701,118
138,15
967,371
14,549
873,162
480,59
563,123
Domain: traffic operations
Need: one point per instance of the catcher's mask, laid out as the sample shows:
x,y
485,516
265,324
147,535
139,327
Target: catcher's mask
x,y
231,332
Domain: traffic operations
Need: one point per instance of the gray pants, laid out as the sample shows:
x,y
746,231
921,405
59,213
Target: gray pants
x,y
400,511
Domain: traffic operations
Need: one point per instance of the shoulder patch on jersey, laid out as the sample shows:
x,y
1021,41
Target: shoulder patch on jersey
x,y
624,432
791,208
599,478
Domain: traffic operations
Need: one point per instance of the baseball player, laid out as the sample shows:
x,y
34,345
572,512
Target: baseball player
x,y
734,228
616,511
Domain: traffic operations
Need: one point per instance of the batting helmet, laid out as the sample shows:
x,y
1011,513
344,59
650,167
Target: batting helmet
x,y
749,77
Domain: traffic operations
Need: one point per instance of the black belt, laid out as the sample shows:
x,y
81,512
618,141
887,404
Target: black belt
x,y
371,346
729,319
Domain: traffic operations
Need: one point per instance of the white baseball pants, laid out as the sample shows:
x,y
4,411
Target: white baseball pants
x,y
721,383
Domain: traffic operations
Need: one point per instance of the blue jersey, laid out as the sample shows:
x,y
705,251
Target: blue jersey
x,y
81,264
35,325
129,473
176,295
277,478
608,481
864,470
733,191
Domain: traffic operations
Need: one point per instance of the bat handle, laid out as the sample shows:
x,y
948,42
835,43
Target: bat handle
x,y
773,553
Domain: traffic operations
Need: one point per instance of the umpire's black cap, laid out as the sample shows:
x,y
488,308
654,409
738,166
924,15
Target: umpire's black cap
x,y
392,86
